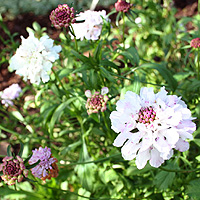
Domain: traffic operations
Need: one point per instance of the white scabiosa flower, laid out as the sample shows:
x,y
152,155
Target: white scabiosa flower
x,y
151,125
34,57
9,94
92,25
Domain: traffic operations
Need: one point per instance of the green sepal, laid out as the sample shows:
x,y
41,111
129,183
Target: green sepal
x,y
9,153
33,165
21,149
27,159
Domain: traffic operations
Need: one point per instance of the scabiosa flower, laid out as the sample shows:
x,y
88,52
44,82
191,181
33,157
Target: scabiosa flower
x,y
92,25
33,59
13,169
47,168
62,16
10,93
122,6
195,43
151,125
96,101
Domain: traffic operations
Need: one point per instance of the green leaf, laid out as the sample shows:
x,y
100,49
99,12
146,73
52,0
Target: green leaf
x,y
193,189
33,165
164,72
96,117
97,52
132,55
84,59
106,74
21,149
71,147
86,172
32,195
27,159
58,112
164,179
9,153
108,63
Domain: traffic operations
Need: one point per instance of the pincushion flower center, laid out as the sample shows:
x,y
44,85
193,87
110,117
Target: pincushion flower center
x,y
146,115
96,100
11,169
62,15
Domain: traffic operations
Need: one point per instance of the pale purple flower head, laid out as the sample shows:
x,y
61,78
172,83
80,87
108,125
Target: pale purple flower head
x,y
91,28
62,16
13,169
96,101
10,93
151,125
46,161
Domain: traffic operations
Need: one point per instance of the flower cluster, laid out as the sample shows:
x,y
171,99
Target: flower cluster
x,y
96,101
151,125
92,25
195,43
122,6
13,169
10,93
34,58
47,168
62,16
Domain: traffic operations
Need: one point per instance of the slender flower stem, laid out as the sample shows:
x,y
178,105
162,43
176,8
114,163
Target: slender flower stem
x,y
58,79
180,171
75,40
123,29
94,161
198,66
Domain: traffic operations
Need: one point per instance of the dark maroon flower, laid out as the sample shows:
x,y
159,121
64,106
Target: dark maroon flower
x,y
13,169
122,6
195,43
62,16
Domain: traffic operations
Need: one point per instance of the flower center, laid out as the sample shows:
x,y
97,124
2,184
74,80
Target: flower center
x,y
11,169
146,115
62,15
96,100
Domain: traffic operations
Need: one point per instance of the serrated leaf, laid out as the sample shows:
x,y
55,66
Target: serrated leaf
x,y
193,189
164,179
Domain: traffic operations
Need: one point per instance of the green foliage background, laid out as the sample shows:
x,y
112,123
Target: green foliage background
x,y
154,53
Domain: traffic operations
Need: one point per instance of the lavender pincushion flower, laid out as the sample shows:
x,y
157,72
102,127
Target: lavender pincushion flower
x,y
62,16
96,101
13,169
46,165
10,93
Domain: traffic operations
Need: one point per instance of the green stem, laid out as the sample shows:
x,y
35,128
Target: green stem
x,y
123,30
180,171
75,40
198,67
198,6
57,78
94,161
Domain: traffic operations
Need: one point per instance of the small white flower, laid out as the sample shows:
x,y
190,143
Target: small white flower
x,y
91,27
10,93
138,20
151,125
33,59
